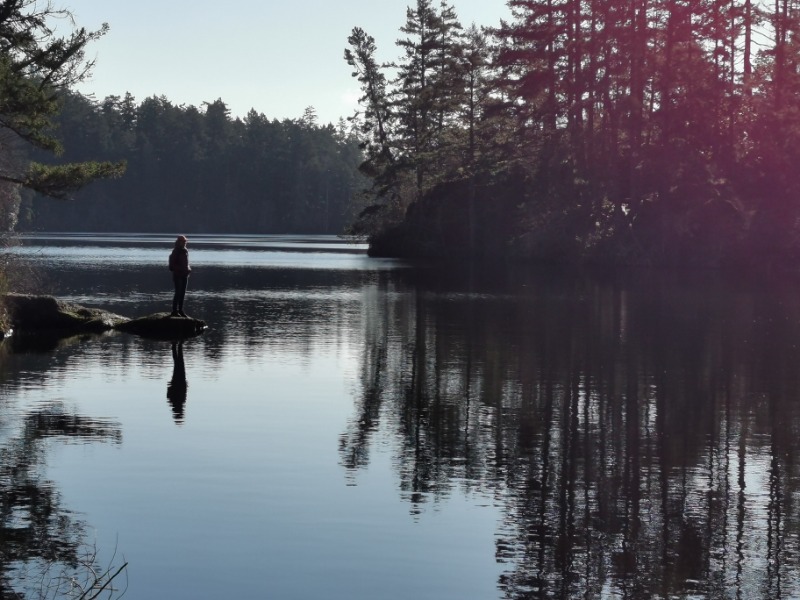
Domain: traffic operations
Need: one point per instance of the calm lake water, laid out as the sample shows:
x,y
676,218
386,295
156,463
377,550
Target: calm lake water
x,y
353,428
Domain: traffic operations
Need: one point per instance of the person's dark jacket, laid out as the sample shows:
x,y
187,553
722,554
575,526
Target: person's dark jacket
x,y
179,262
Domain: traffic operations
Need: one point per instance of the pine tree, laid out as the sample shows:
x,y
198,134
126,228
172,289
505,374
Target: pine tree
x,y
427,90
35,67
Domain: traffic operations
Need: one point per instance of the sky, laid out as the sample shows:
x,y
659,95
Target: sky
x,y
274,56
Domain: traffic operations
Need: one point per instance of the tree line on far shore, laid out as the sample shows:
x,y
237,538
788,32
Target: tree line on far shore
x,y
200,170
622,131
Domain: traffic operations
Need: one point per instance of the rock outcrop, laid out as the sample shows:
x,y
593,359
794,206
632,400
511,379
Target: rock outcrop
x,y
45,314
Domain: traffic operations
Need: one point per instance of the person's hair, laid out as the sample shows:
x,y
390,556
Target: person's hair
x,y
181,241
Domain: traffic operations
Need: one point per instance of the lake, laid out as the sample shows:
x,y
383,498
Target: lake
x,y
356,428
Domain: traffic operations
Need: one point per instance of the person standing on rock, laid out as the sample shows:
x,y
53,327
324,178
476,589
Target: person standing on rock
x,y
179,265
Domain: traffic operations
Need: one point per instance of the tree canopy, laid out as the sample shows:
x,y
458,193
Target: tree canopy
x,y
198,169
634,131
193,169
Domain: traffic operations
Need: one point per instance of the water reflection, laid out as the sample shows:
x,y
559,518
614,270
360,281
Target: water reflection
x,y
41,538
177,387
640,436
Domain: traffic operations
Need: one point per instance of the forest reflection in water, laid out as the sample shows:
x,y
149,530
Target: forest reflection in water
x,y
45,548
640,435
636,432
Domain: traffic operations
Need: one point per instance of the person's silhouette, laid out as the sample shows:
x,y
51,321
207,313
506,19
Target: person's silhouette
x,y
177,387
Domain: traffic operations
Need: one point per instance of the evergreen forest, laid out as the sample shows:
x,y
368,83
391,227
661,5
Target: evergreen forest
x,y
198,170
650,132
647,132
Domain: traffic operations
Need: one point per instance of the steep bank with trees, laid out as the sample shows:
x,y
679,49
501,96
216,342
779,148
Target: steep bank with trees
x,y
199,170
642,132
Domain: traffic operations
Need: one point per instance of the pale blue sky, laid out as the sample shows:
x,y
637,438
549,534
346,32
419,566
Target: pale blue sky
x,y
276,57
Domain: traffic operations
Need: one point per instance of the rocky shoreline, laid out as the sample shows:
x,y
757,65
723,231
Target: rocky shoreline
x,y
47,315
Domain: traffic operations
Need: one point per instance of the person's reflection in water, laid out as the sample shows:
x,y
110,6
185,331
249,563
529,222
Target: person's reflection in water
x,y
176,388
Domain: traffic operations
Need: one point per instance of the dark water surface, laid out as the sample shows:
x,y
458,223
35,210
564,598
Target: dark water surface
x,y
355,428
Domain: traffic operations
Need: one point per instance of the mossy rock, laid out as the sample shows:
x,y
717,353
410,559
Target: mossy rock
x,y
163,326
38,313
